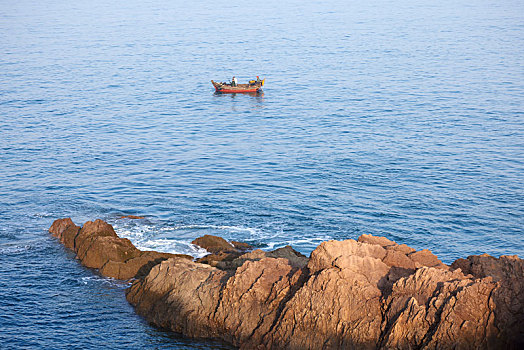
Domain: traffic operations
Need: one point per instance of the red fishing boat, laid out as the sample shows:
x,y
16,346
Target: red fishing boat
x,y
228,88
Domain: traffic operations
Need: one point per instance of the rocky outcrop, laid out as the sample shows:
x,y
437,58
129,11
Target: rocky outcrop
x,y
371,294
97,246
508,272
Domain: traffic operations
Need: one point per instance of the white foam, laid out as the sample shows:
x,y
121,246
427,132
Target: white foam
x,y
172,246
108,281
14,249
177,239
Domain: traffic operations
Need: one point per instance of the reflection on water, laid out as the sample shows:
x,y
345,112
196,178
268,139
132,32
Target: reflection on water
x,y
259,94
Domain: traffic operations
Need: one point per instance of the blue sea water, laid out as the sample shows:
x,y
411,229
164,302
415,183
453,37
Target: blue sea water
x,y
402,119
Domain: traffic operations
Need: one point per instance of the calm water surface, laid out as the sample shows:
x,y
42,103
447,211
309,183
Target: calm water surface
x,y
399,119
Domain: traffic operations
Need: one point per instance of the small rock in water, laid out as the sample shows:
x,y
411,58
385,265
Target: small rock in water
x,y
132,217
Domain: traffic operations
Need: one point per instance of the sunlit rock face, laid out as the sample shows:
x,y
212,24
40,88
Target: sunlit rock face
x,y
371,294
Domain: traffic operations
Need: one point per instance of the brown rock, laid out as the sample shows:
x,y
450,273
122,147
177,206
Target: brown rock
x,y
385,243
180,295
251,299
368,294
133,217
224,255
97,246
340,301
214,244
435,308
256,254
381,241
202,301
332,253
401,248
295,258
97,228
241,246
60,225
426,258
398,259
66,231
233,260
335,309
486,265
90,232
107,248
222,260
137,267
508,271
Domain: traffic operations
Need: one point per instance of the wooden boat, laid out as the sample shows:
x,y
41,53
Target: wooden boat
x,y
252,86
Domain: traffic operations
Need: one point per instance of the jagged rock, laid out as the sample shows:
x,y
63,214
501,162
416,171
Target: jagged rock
x,y
214,244
508,271
222,260
233,260
97,246
257,254
295,258
199,300
375,240
59,226
90,232
138,266
65,230
180,295
355,295
398,259
502,269
334,253
426,258
103,249
252,298
435,308
336,308
365,294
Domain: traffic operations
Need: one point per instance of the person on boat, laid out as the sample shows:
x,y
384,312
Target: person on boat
x,y
234,81
258,80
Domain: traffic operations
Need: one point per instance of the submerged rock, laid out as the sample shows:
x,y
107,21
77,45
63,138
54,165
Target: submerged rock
x,y
372,294
132,217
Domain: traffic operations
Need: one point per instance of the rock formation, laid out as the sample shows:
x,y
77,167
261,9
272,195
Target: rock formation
x,y
372,293
97,246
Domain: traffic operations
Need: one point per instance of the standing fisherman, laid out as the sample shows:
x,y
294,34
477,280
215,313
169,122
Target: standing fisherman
x,y
234,81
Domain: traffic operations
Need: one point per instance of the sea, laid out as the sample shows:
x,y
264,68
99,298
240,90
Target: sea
x,y
403,119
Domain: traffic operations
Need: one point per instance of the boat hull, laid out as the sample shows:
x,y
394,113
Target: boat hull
x,y
240,88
